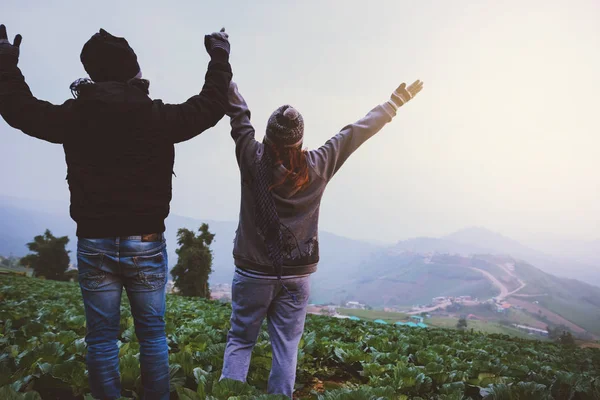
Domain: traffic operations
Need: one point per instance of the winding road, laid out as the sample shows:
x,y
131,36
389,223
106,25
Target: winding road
x,y
504,292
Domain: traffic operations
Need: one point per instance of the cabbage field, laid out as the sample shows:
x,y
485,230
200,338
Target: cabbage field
x,y
42,355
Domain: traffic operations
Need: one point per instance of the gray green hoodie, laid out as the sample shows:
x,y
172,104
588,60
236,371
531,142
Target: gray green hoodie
x,y
298,209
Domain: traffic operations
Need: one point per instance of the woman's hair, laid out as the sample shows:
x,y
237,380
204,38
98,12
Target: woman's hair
x,y
294,160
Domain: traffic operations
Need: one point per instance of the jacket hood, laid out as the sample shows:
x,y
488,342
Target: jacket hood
x,y
111,96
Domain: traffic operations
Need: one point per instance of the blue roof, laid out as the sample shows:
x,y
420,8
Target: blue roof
x,y
380,321
400,323
422,325
411,324
353,318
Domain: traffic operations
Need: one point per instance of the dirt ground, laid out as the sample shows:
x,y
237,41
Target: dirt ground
x,y
552,317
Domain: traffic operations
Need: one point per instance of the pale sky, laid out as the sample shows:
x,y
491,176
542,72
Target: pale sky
x,y
504,135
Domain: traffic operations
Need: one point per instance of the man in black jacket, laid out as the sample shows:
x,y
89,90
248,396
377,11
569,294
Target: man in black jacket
x,y
119,148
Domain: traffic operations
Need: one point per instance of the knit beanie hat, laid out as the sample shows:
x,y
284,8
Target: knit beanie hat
x,y
109,58
285,127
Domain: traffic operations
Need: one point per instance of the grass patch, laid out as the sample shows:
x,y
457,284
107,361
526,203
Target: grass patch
x,y
481,326
371,315
13,271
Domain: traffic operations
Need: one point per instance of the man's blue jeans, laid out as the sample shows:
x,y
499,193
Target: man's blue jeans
x,y
105,267
252,301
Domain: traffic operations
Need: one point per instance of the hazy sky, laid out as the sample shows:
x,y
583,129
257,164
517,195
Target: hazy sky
x,y
504,135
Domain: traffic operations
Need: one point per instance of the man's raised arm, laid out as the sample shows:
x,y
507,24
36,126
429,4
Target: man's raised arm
x,y
202,111
19,108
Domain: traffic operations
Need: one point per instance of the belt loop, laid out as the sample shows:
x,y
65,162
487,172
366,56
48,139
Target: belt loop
x,y
117,242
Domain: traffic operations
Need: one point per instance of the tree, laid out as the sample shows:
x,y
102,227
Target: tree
x,y
462,323
190,274
562,335
566,339
51,259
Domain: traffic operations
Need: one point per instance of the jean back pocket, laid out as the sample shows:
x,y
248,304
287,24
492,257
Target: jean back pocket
x,y
150,272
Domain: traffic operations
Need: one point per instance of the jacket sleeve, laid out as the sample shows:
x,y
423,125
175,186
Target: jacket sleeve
x,y
21,110
242,130
203,111
330,157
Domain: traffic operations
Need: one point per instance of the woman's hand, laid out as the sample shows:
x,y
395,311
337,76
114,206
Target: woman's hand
x,y
404,94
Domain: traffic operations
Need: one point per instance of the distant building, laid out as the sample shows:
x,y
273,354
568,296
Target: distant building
x,y
171,287
355,305
220,291
438,300
531,330
340,316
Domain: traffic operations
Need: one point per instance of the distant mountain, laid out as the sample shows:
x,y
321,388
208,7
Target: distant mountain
x,y
440,245
585,251
498,244
21,220
394,279
486,239
482,241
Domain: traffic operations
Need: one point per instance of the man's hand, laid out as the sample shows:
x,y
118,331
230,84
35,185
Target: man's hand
x,y
403,94
9,51
217,40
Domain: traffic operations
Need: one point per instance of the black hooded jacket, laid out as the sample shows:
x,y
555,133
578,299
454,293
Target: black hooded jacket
x,y
118,143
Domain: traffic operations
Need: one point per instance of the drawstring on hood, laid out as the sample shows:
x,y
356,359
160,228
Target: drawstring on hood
x,y
77,86
82,84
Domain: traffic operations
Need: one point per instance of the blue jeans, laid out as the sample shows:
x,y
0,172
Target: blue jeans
x,y
105,267
253,300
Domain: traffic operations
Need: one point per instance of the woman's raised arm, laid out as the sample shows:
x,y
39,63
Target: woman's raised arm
x,y
330,157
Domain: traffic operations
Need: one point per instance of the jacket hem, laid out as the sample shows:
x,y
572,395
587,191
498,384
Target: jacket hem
x,y
96,229
287,269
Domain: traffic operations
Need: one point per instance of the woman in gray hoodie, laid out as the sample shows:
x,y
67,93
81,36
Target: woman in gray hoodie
x,y
276,247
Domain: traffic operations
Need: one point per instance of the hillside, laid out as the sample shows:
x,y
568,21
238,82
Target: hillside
x,y
494,243
401,280
410,273
43,328
576,301
392,280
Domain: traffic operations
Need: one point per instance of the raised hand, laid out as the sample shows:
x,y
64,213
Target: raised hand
x,y
404,94
7,50
217,40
